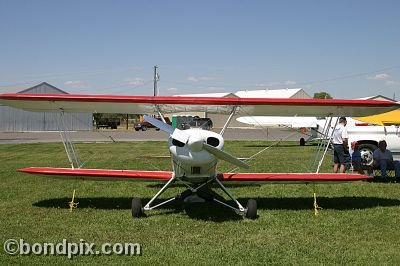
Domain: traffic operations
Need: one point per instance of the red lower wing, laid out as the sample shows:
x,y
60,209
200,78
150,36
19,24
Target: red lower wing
x,y
99,173
292,177
161,175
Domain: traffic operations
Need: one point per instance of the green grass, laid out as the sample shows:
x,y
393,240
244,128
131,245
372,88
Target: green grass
x,y
359,222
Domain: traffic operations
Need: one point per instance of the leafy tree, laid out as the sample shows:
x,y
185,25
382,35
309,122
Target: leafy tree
x,y
322,95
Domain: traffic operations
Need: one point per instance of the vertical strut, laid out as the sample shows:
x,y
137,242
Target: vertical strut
x,y
69,146
228,121
160,114
323,145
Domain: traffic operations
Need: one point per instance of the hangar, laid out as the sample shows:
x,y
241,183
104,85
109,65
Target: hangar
x,y
219,120
16,120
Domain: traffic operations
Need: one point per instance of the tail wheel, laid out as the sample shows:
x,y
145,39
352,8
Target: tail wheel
x,y
137,208
251,209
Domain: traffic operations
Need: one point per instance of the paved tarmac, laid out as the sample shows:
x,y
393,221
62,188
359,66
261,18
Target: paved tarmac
x,y
271,134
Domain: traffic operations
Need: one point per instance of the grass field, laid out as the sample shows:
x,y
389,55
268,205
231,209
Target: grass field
x,y
359,222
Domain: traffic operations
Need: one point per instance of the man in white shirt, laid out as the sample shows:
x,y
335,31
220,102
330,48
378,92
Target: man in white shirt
x,y
383,158
340,145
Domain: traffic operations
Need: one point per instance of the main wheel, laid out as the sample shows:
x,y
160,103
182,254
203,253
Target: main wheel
x,y
251,209
137,208
302,142
367,151
144,128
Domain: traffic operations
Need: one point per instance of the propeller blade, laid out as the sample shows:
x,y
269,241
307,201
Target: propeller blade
x,y
160,124
225,156
175,133
180,135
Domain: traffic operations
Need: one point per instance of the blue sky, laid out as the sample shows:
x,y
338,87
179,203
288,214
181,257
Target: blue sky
x,y
347,48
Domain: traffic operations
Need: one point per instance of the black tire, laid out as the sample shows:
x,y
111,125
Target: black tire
x,y
367,150
137,208
251,209
302,142
136,129
144,128
157,129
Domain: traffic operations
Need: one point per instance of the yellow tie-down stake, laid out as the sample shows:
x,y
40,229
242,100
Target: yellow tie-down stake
x,y
316,207
72,204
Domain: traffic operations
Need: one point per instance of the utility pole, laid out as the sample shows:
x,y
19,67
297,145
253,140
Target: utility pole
x,y
156,78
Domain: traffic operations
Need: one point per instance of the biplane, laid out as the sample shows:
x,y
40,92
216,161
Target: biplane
x,y
194,152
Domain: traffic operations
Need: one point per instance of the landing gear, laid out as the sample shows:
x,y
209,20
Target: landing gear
x,y
196,194
137,208
251,209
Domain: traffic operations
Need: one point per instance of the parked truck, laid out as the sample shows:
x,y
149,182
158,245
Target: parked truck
x,y
366,134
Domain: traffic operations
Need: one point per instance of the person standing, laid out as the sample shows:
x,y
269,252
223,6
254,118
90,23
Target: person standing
x,y
340,146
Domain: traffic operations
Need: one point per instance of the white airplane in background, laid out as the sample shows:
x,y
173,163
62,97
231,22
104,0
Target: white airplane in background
x,y
366,134
194,152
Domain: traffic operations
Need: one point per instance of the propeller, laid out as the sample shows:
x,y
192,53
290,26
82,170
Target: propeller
x,y
225,156
181,136
175,133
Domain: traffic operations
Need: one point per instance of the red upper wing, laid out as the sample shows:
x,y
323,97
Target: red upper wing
x,y
174,104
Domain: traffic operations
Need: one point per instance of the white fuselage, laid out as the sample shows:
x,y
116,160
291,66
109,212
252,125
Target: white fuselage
x,y
357,130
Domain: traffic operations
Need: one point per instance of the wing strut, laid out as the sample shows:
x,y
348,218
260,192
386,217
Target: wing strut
x,y
69,146
160,114
324,143
228,121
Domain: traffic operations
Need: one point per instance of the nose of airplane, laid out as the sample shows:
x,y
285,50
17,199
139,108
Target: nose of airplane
x,y
195,143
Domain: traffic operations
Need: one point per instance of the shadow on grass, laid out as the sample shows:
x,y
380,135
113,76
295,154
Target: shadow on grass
x,y
215,212
337,203
203,211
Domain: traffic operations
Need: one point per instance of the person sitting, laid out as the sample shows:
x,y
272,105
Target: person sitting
x,y
383,159
357,162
